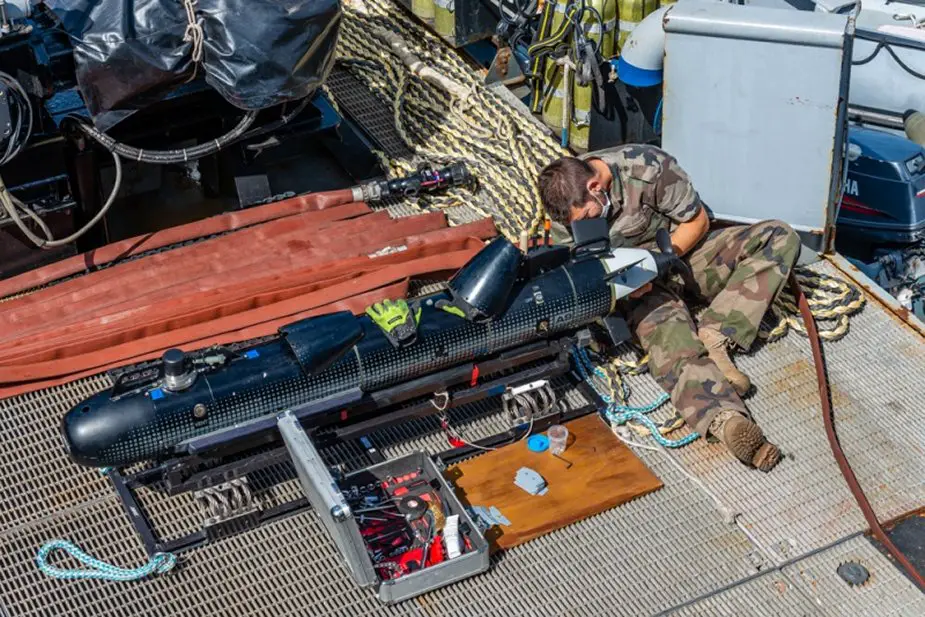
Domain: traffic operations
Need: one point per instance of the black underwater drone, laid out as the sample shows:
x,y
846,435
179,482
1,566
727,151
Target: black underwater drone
x,y
329,365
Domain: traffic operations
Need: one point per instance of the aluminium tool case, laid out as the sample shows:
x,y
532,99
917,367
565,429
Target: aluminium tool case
x,y
326,497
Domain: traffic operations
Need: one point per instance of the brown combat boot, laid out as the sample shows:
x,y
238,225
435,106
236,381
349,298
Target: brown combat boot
x,y
717,346
745,440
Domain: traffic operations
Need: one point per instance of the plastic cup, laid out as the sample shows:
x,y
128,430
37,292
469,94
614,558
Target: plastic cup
x,y
558,438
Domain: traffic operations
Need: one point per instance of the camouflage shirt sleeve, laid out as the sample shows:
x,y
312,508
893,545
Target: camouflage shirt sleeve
x,y
674,193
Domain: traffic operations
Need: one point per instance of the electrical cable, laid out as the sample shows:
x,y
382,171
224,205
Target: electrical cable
x,y
600,22
658,116
452,432
513,29
39,221
829,421
10,204
25,114
168,157
889,49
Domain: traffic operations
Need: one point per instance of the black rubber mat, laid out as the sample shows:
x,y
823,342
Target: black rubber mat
x,y
362,106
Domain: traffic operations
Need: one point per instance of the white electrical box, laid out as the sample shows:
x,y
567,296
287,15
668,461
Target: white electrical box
x,y
755,110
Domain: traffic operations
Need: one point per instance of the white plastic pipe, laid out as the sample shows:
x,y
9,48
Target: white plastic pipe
x,y
643,54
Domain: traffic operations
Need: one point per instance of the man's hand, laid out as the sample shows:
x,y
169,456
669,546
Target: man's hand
x,y
641,291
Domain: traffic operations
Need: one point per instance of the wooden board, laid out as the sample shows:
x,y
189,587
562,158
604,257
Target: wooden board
x,y
604,473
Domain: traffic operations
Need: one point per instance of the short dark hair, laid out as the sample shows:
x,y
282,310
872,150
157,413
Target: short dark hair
x,y
563,184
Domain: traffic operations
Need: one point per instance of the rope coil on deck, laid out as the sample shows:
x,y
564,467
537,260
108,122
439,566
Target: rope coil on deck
x,y
830,299
161,563
620,414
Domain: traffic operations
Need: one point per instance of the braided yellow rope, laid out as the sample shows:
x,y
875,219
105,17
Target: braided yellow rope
x,y
830,299
504,150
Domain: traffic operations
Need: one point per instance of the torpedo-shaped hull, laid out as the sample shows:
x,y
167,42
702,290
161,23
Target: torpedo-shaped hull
x,y
320,357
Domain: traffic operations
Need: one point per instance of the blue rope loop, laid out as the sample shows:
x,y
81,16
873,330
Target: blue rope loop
x,y
161,563
619,415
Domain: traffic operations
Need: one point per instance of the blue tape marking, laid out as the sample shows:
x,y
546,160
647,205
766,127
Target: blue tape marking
x,y
157,394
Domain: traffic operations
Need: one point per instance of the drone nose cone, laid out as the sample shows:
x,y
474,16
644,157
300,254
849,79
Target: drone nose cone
x,y
92,429
86,433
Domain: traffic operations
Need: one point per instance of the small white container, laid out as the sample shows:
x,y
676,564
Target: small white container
x,y
558,438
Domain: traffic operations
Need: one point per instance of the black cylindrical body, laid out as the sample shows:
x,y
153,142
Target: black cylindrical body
x,y
148,424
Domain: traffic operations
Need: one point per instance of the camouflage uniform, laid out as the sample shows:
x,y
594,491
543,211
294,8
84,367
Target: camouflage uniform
x,y
739,270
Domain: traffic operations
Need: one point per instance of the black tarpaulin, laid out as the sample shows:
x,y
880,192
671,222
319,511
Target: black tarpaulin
x,y
255,53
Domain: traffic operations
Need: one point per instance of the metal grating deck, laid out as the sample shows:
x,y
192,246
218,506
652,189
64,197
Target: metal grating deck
x,y
356,101
658,552
875,378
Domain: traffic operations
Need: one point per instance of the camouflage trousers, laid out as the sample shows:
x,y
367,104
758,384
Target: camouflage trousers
x,y
739,271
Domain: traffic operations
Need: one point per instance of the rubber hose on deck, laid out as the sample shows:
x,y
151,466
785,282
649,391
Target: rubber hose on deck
x,y
828,419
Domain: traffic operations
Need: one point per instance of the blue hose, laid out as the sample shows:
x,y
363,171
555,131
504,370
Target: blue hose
x,y
656,119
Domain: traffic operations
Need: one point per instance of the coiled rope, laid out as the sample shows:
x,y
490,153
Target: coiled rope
x,y
161,563
830,300
620,414
504,149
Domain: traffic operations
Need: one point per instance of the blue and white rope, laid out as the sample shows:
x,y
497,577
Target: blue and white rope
x,y
617,414
161,563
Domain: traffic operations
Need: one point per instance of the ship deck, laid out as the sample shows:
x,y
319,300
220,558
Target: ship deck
x,y
718,539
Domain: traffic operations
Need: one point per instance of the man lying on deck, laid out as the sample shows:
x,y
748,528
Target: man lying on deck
x,y
739,270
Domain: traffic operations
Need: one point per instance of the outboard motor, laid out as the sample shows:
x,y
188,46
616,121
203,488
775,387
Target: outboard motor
x,y
883,205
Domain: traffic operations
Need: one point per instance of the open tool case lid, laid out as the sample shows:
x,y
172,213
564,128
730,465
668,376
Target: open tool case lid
x,y
326,499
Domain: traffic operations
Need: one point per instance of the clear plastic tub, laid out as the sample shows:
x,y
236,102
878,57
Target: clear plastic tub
x,y
558,438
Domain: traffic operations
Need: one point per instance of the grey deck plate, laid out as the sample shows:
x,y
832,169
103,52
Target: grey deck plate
x,y
888,593
811,587
768,595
